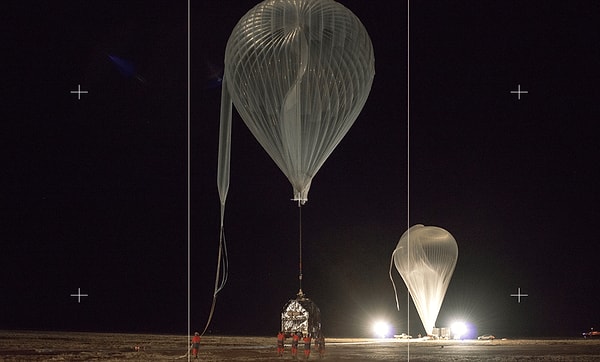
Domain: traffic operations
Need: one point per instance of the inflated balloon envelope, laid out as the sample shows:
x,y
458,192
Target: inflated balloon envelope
x,y
426,257
298,72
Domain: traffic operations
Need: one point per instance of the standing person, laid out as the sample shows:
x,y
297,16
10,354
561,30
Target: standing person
x,y
195,344
295,339
280,343
320,344
307,343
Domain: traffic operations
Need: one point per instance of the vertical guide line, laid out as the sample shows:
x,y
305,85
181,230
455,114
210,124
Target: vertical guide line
x,y
408,166
188,178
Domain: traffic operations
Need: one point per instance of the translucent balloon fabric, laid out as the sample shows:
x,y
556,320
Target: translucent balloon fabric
x,y
425,257
298,73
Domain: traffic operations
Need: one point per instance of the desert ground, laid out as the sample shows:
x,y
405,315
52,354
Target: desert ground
x,y
75,346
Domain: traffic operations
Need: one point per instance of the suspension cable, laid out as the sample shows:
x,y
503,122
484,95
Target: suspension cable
x,y
300,293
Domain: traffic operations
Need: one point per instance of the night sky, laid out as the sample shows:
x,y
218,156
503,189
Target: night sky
x,y
95,190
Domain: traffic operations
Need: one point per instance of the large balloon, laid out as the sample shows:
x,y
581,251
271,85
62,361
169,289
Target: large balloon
x,y
425,257
298,73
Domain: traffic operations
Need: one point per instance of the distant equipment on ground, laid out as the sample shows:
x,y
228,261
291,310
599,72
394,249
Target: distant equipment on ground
x,y
441,333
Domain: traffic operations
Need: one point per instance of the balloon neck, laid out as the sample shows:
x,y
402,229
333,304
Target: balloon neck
x,y
300,202
301,191
301,197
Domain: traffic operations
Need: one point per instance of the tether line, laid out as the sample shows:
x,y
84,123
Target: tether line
x,y
300,247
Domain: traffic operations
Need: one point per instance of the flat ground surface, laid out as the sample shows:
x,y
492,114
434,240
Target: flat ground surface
x,y
69,346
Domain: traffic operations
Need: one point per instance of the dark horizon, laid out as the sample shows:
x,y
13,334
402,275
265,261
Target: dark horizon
x,y
96,194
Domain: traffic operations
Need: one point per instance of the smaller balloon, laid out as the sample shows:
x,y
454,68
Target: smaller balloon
x,y
426,257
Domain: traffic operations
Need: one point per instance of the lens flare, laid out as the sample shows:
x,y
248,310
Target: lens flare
x,y
459,329
381,329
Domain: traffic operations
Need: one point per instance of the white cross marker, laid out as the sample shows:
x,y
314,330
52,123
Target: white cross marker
x,y
519,91
519,295
79,295
78,91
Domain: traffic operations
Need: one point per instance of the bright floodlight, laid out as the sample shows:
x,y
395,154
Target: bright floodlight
x,y
381,329
459,329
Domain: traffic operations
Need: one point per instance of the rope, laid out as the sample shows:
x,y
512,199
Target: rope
x,y
392,279
221,278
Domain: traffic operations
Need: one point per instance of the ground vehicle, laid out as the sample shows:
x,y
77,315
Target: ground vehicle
x,y
486,337
591,334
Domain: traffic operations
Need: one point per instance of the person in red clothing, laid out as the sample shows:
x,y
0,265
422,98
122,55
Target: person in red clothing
x,y
307,343
295,340
280,343
195,344
320,344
